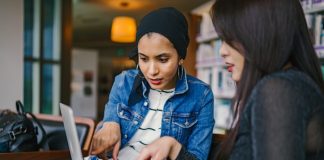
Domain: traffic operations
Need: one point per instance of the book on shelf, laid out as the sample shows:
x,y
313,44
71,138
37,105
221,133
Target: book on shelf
x,y
205,52
223,115
206,38
217,46
315,23
207,31
319,51
208,55
311,6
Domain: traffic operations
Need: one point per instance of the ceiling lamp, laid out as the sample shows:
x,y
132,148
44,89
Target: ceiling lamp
x,y
123,29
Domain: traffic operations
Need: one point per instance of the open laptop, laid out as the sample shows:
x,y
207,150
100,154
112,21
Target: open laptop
x,y
71,132
72,135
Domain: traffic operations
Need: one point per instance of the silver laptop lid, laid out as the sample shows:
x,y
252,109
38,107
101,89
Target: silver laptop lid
x,y
71,132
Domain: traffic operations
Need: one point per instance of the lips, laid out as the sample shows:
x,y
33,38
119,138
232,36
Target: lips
x,y
156,81
230,67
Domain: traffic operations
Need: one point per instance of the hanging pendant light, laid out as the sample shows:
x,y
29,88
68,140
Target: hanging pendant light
x,y
123,29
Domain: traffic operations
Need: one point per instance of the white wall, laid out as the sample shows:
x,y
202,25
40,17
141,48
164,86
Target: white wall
x,y
11,53
84,60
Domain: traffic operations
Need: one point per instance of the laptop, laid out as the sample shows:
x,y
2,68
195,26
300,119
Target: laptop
x,y
71,132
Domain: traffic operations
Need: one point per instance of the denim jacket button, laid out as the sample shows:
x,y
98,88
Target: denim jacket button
x,y
125,136
187,123
121,113
135,122
145,103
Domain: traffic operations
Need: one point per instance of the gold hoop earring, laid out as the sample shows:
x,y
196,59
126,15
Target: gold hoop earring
x,y
180,71
139,71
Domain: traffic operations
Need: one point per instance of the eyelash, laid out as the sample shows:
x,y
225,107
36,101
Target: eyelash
x,y
143,59
162,60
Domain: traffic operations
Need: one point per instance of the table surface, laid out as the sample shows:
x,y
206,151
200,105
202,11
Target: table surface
x,y
46,155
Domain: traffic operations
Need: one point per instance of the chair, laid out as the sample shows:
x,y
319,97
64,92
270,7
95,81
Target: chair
x,y
55,133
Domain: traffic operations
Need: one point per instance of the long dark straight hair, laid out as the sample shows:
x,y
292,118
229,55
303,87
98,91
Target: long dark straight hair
x,y
269,34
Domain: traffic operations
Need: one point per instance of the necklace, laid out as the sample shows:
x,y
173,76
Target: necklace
x,y
164,91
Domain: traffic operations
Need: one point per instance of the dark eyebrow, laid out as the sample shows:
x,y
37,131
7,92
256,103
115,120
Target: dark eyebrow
x,y
163,55
158,56
142,54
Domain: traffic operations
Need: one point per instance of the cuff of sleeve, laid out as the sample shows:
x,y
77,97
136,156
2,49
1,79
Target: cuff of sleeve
x,y
185,154
111,114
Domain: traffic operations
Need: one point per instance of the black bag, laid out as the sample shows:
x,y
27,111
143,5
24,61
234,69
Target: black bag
x,y
17,132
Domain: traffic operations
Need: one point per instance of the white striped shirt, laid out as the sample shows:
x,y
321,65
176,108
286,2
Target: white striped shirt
x,y
150,129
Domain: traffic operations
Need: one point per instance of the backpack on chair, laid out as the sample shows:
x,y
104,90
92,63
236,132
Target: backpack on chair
x,y
17,132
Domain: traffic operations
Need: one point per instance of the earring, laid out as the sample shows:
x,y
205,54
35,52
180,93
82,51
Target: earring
x,y
180,62
180,71
139,71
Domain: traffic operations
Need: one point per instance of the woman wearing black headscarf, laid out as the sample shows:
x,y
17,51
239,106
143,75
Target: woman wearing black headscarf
x,y
158,101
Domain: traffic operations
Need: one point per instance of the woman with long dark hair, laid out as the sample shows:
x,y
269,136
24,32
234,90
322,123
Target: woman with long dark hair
x,y
279,100
279,103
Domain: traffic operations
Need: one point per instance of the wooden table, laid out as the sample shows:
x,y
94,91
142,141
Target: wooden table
x,y
41,155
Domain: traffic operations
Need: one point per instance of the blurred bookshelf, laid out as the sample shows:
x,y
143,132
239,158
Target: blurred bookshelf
x,y
314,14
312,6
212,70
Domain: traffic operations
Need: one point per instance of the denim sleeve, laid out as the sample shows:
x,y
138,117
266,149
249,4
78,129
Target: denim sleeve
x,y
111,106
201,137
185,155
278,121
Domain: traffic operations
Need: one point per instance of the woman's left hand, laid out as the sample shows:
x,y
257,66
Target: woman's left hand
x,y
160,149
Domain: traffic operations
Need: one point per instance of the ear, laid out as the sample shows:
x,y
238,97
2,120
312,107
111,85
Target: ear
x,y
181,62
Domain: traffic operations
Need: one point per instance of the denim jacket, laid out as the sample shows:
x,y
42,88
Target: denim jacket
x,y
187,115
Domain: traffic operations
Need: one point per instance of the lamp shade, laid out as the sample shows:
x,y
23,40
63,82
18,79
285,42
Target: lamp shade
x,y
123,29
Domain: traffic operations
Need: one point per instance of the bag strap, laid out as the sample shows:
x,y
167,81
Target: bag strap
x,y
44,136
21,110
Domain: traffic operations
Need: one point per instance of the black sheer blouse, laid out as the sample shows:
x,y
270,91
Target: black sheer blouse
x,y
282,120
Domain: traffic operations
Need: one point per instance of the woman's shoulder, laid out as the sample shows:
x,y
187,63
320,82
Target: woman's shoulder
x,y
287,79
284,85
198,85
195,81
127,74
125,78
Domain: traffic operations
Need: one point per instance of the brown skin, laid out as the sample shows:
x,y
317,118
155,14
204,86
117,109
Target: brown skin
x,y
158,61
233,59
106,139
160,149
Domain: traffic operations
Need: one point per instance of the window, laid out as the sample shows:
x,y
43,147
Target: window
x,y
42,55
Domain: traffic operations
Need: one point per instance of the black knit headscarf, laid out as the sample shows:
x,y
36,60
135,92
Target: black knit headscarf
x,y
168,22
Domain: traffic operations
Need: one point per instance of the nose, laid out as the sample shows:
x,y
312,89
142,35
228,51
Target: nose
x,y
153,69
223,51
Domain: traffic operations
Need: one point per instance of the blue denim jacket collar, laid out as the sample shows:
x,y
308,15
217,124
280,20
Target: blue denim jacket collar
x,y
182,84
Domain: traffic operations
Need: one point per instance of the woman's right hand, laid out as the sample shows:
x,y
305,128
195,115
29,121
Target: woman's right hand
x,y
163,148
106,139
